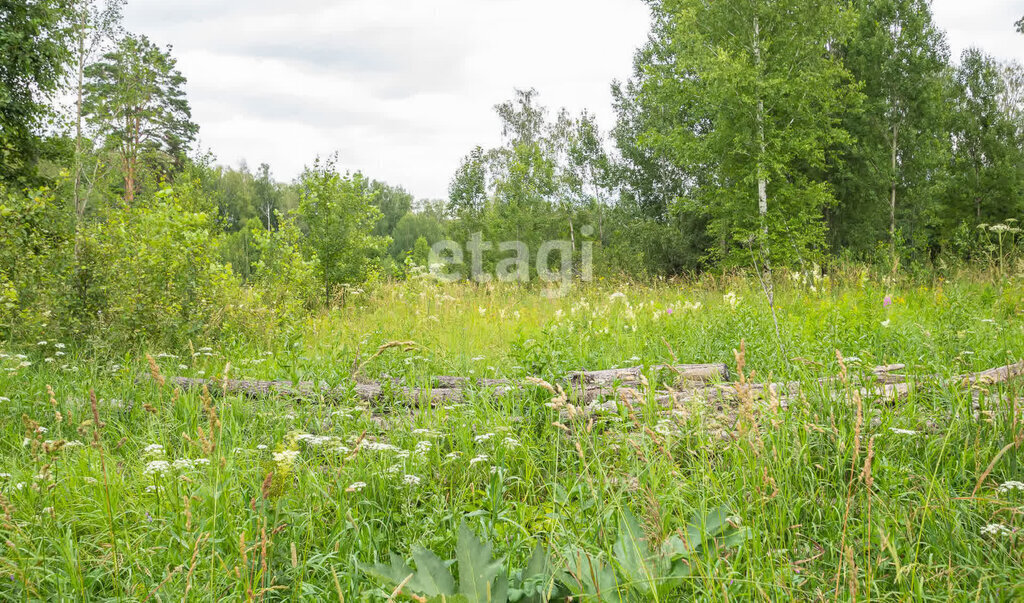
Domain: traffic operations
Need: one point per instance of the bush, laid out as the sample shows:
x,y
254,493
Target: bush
x,y
158,273
35,255
282,277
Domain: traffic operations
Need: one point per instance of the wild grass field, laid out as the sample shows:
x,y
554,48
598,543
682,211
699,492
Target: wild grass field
x,y
115,487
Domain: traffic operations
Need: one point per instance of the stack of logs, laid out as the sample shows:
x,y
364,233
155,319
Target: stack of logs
x,y
595,390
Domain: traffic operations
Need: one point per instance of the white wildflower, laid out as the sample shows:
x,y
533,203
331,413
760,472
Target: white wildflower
x,y
732,299
908,432
42,343
153,450
510,442
3,399
617,295
481,458
480,439
261,447
886,323
411,480
1010,486
157,467
423,446
315,441
356,487
286,457
996,529
59,346
379,446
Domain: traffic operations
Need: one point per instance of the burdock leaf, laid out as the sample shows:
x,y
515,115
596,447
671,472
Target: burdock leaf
x,y
432,576
633,553
477,572
391,574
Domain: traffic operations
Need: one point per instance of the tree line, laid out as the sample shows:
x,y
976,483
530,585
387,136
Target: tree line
x,y
752,133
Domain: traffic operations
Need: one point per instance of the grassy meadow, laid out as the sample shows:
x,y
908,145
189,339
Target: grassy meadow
x,y
146,493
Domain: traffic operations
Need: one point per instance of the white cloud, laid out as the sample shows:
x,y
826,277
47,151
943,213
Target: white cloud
x,y
402,89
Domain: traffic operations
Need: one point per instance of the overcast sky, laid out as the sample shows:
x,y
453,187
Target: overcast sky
x,y
403,89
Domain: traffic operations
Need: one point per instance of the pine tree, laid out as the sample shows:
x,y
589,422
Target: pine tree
x,y
135,98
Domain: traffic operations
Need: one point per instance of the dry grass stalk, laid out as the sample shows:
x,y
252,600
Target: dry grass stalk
x,y
407,346
154,371
192,564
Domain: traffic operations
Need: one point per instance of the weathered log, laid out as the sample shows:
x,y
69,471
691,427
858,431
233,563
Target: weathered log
x,y
693,373
461,382
367,392
992,376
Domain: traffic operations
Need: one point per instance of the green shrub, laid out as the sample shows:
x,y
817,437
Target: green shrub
x,y
158,272
35,254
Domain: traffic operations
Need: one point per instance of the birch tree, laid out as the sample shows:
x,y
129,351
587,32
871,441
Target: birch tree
x,y
755,92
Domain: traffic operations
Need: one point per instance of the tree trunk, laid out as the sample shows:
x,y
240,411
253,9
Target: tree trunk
x,y
892,193
762,178
80,73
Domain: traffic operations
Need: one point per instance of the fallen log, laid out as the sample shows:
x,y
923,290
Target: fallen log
x,y
366,392
992,376
692,373
588,389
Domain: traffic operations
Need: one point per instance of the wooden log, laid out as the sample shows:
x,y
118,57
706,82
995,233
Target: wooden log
x,y
461,382
992,376
693,373
366,392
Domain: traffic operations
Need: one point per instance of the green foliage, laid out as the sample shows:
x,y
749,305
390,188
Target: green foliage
x,y
639,572
901,131
158,274
481,579
339,214
410,229
35,238
283,277
729,69
636,571
986,172
135,98
34,55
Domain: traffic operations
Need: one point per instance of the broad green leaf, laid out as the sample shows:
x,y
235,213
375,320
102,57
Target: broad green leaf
x,y
633,553
432,576
591,576
476,569
392,574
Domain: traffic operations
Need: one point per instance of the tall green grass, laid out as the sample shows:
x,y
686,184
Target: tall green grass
x,y
870,501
